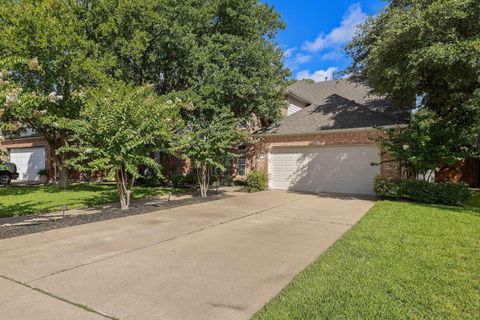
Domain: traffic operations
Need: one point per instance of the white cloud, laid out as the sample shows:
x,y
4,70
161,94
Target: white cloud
x,y
289,52
332,56
318,75
340,35
302,58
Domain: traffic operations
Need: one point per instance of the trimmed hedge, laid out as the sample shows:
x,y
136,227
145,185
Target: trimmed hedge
x,y
448,193
256,181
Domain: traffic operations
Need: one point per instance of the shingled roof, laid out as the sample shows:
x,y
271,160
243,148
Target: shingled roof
x,y
338,104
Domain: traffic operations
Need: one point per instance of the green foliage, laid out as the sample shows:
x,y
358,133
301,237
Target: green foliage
x,y
428,49
256,181
428,142
448,193
119,128
388,188
46,61
208,141
222,50
3,167
184,180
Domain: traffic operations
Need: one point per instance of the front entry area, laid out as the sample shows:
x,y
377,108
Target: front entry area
x,y
28,161
332,169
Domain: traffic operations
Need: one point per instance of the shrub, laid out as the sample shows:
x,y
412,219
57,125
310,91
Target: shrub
x,y
448,193
150,180
387,188
453,193
420,191
256,181
183,180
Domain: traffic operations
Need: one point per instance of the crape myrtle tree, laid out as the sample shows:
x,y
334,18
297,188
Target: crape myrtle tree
x,y
45,60
208,140
118,129
429,50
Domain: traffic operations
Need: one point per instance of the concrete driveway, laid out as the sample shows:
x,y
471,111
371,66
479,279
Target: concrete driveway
x,y
218,260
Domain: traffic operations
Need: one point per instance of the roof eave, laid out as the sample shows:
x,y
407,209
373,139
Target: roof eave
x,y
290,93
329,131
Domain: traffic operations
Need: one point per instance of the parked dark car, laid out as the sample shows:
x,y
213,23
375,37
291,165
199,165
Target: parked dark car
x,y
8,172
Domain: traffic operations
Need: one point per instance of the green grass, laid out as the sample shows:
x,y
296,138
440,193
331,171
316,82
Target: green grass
x,y
402,261
15,201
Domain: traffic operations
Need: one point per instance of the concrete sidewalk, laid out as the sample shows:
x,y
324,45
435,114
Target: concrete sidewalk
x,y
216,260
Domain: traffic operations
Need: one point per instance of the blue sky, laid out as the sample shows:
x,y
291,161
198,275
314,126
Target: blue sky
x,y
317,31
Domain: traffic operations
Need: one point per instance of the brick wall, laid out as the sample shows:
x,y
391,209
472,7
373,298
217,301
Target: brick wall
x,y
259,159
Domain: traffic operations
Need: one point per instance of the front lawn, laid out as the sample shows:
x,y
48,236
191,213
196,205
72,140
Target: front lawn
x,y
16,201
402,261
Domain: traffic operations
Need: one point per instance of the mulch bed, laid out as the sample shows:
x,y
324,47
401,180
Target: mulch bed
x,y
106,213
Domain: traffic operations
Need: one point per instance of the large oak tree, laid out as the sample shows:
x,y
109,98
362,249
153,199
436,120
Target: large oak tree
x,y
427,50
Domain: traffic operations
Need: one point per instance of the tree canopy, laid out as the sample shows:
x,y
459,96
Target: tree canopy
x,y
425,48
45,61
209,141
429,51
118,130
222,50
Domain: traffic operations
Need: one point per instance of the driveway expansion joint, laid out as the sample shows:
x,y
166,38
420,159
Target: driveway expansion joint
x,y
311,220
51,295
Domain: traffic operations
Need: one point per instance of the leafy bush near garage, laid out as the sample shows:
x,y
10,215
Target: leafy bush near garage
x,y
388,188
447,193
256,181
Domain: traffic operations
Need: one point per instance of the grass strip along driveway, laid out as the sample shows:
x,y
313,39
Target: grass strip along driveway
x,y
16,201
402,261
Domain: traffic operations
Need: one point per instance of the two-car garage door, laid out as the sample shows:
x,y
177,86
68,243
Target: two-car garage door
x,y
338,169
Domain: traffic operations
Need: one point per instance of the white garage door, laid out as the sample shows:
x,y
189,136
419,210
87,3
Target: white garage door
x,y
342,169
28,161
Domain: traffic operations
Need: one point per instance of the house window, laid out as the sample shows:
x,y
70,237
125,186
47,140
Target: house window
x,y
242,162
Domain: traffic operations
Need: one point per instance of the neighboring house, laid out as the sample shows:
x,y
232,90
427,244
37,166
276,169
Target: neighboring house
x,y
30,153
325,144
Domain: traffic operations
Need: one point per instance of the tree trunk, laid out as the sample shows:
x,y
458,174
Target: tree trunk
x,y
62,170
59,159
203,179
63,177
124,189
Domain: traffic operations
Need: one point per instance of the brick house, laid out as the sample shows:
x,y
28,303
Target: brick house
x,y
325,143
